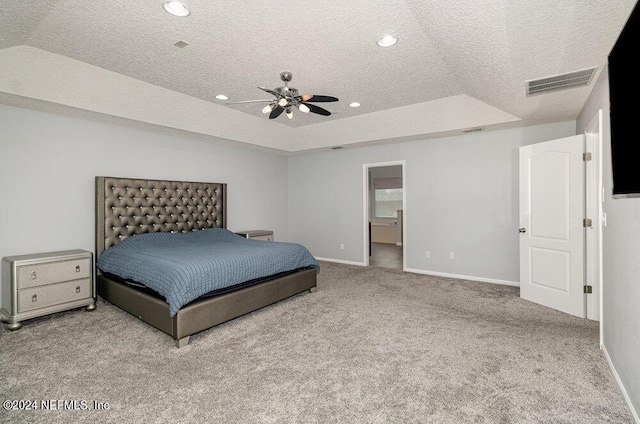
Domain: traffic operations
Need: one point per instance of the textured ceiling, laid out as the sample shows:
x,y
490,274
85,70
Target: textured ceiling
x,y
459,49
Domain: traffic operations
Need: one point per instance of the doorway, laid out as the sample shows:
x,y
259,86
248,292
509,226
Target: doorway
x,y
384,214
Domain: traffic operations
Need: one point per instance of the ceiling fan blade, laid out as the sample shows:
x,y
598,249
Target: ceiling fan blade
x,y
317,109
250,101
317,98
276,112
275,93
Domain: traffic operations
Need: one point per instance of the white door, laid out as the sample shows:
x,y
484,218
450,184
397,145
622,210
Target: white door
x,y
552,184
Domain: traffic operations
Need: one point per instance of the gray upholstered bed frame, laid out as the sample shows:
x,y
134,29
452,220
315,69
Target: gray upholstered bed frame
x,y
125,207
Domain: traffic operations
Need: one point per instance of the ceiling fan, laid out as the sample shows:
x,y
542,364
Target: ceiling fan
x,y
287,98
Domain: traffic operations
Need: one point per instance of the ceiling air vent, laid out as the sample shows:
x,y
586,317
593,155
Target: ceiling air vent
x,y
560,82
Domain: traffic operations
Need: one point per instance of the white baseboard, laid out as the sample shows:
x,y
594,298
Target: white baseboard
x,y
435,273
398,243
340,261
465,277
634,413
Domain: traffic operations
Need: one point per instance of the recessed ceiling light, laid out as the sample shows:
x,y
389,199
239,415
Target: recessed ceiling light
x,y
176,8
222,97
354,104
387,41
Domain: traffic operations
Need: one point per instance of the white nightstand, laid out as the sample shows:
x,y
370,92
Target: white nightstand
x,y
257,234
45,283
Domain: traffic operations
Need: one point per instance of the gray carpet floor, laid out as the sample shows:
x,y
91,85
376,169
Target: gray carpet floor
x,y
372,345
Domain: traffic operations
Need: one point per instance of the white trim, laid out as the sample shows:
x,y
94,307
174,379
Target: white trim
x,y
365,220
634,413
591,233
600,239
365,209
465,277
340,261
595,127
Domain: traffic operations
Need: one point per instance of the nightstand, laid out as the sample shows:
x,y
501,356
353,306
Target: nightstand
x,y
45,283
257,234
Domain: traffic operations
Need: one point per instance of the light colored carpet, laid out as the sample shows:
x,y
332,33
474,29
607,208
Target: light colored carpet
x,y
372,345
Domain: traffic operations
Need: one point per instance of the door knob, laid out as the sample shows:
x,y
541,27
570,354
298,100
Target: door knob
x,y
522,230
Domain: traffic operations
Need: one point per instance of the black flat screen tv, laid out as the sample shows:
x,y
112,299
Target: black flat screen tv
x,y
624,94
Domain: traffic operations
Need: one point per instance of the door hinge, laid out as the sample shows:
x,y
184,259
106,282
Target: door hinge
x,y
586,156
588,289
587,222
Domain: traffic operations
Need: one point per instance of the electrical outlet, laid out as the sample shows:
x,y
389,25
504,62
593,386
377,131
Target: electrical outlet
x,y
341,246
452,255
428,255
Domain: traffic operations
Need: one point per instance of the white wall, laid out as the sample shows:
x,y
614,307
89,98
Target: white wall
x,y
462,196
621,266
48,164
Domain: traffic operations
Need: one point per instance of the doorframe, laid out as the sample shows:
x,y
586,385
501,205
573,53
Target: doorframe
x,y
594,198
366,200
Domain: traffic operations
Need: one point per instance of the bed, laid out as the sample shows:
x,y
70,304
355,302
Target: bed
x,y
182,210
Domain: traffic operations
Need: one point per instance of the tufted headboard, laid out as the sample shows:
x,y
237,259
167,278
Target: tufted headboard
x,y
126,206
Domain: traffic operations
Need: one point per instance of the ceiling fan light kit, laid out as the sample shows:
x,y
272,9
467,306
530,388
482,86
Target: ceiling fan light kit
x,y
287,98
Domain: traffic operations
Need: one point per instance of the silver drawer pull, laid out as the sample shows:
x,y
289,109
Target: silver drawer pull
x,y
34,275
77,289
77,268
34,298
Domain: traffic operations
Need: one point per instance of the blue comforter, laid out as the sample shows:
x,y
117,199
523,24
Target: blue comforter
x,y
184,266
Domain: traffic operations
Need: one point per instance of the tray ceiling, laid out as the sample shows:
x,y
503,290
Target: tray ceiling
x,y
474,56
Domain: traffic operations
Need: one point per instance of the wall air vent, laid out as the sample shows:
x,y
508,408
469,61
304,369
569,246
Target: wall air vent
x,y
560,82
476,129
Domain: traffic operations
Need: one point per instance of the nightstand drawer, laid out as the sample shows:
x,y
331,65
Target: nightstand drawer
x,y
266,238
53,272
40,297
